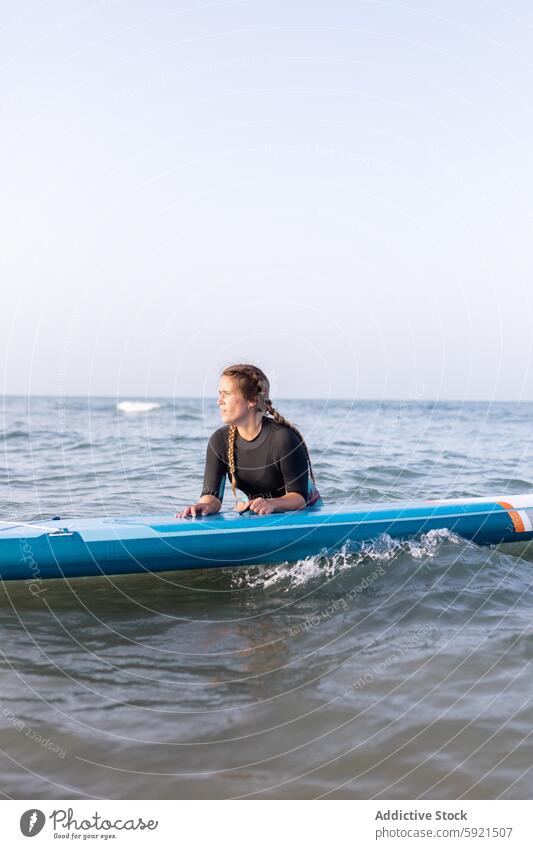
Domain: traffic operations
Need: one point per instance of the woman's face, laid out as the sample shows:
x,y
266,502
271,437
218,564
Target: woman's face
x,y
233,407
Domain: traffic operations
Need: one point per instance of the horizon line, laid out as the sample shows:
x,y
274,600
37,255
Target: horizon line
x,y
127,396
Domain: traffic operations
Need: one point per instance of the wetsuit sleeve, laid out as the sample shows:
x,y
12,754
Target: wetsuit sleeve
x,y
291,458
215,466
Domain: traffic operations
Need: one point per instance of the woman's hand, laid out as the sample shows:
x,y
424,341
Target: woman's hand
x,y
207,504
194,510
261,506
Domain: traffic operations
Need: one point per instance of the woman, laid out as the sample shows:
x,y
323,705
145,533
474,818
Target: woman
x,y
265,456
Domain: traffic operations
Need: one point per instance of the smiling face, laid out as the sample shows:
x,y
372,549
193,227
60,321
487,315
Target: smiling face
x,y
234,409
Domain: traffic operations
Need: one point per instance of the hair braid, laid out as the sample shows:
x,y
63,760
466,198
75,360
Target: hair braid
x,y
231,458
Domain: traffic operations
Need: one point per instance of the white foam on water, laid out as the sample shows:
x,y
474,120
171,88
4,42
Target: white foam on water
x,y
428,544
323,565
137,406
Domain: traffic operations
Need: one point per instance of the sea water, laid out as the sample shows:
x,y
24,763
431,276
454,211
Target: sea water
x,y
397,670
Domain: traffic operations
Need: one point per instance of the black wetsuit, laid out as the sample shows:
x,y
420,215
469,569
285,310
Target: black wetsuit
x,y
268,466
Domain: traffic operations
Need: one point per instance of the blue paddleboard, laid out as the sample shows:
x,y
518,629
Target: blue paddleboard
x,y
71,548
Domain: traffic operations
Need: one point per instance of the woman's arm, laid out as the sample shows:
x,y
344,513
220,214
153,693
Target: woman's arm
x,y
289,501
292,461
264,506
214,479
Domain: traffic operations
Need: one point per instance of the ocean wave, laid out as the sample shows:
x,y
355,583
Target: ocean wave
x,y
14,434
138,406
351,556
187,417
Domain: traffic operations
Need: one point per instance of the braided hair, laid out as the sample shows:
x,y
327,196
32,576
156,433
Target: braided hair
x,y
253,383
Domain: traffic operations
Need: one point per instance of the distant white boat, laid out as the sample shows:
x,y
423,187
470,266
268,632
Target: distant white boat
x,y
137,406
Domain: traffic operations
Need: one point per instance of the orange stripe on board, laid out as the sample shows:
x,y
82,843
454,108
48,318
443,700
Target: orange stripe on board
x,y
515,517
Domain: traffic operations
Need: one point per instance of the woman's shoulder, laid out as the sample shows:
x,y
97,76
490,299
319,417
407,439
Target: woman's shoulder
x,y
219,436
283,435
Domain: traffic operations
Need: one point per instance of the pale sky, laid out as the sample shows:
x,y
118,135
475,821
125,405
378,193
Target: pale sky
x,y
340,192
